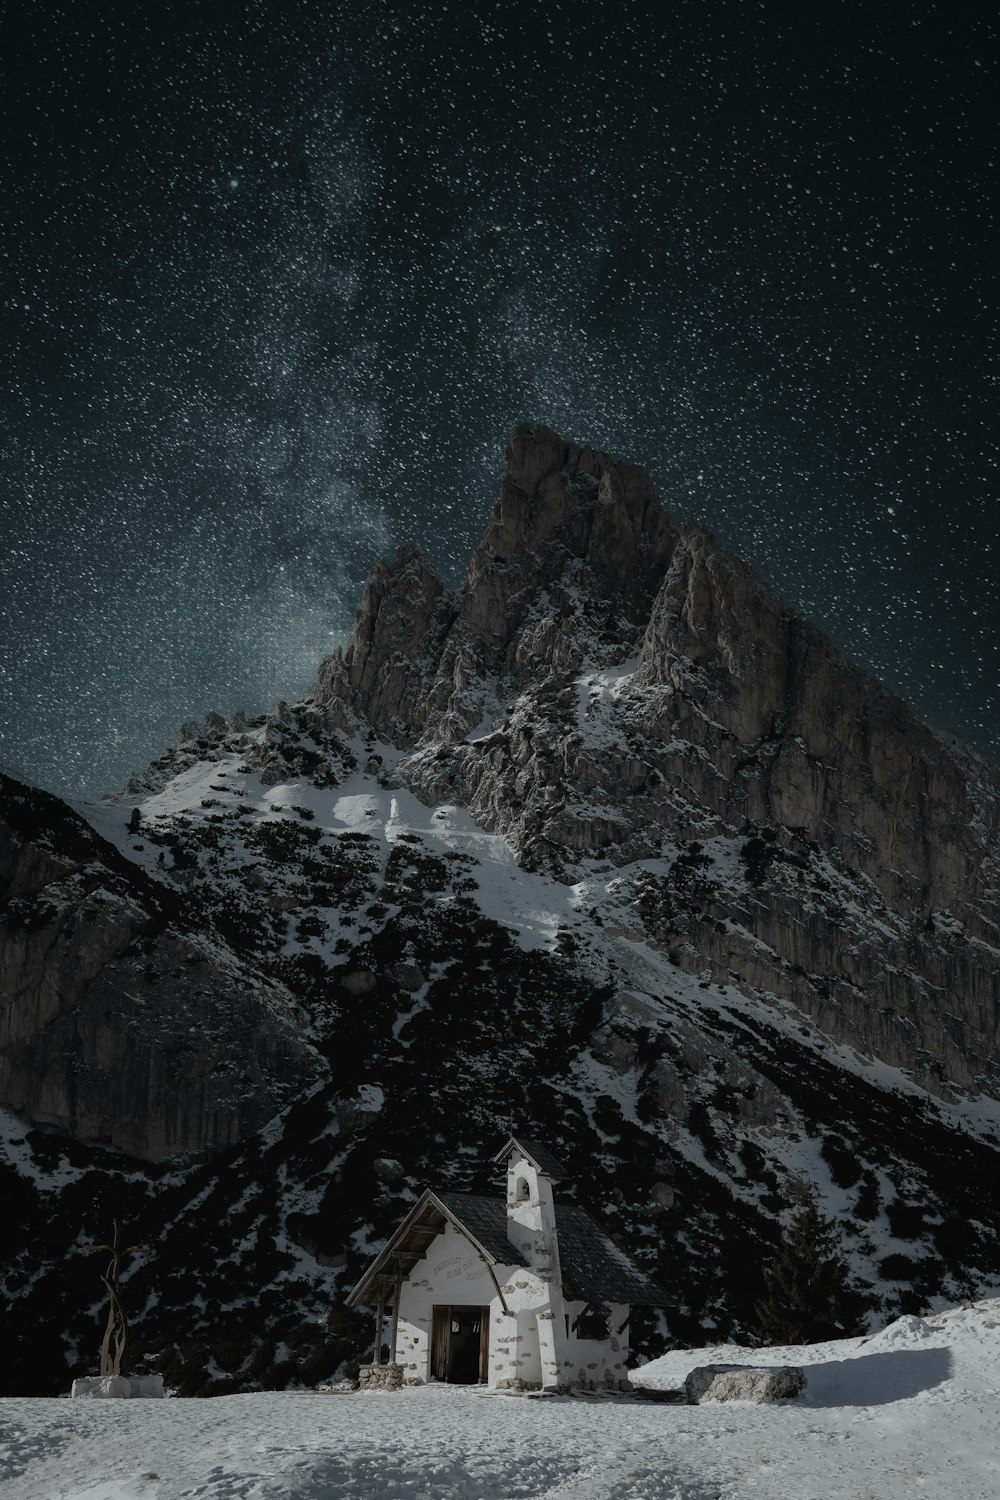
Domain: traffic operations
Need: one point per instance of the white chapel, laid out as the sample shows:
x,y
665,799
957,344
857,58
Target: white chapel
x,y
520,1293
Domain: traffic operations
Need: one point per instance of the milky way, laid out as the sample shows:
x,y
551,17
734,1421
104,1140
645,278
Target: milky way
x,y
279,279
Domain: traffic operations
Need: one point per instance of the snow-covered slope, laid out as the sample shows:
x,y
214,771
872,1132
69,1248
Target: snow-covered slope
x,y
911,1411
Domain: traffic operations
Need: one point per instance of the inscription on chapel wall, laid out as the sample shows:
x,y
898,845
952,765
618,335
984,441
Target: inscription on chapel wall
x,y
454,1266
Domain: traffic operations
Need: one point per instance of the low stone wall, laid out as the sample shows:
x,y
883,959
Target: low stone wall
x,y
606,1382
124,1387
380,1377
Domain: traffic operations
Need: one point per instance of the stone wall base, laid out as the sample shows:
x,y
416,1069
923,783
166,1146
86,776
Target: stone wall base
x,y
607,1382
582,1383
380,1377
96,1387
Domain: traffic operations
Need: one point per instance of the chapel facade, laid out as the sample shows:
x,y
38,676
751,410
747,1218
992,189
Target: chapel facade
x,y
516,1292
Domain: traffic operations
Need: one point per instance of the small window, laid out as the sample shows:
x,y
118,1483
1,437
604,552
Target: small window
x,y
521,1190
593,1325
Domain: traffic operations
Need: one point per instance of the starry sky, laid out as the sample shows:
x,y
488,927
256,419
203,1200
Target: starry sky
x,y
278,279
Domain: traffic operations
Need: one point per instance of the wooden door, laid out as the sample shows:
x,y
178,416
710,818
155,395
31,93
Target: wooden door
x,y
484,1346
441,1343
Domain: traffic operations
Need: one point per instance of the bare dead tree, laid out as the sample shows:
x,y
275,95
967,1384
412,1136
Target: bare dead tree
x,y
116,1332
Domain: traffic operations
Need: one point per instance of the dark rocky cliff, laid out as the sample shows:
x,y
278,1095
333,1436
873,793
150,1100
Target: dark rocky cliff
x,y
119,1023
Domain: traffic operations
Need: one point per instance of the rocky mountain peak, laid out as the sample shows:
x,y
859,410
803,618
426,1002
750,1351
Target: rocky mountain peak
x,y
574,531
561,504
375,673
606,686
580,567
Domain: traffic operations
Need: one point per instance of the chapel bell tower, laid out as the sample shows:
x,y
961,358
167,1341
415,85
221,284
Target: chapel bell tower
x,y
531,1214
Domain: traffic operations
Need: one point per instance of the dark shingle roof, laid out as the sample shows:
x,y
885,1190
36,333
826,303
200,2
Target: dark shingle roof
x,y
595,1269
486,1221
539,1154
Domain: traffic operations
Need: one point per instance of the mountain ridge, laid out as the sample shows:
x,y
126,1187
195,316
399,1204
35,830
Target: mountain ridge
x,y
755,708
606,841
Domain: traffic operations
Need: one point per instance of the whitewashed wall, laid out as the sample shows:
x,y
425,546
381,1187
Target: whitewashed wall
x,y
451,1273
588,1362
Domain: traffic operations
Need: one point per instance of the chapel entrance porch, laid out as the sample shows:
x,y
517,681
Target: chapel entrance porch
x,y
460,1344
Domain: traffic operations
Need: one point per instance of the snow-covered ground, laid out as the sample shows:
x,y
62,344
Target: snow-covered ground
x,y
909,1411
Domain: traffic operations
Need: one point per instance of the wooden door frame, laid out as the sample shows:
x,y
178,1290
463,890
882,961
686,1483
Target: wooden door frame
x,y
440,1340
484,1346
441,1318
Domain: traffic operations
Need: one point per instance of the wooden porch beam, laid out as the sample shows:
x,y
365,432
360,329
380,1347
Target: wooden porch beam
x,y
496,1286
395,1309
379,1321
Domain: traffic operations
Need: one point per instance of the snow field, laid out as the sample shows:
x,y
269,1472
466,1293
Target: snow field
x,y
909,1411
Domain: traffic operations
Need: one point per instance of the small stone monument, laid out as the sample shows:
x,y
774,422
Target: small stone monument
x,y
111,1381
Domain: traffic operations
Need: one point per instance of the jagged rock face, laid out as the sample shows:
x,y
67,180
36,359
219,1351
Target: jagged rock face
x,y
397,610
115,1026
638,687
800,736
572,557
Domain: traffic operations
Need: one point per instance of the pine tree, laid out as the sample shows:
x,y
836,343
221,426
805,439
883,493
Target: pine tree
x,y
808,1295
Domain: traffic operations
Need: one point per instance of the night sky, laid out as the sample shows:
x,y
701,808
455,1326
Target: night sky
x,y
278,279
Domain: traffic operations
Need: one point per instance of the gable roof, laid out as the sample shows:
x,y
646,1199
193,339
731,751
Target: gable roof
x,y
487,1220
483,1222
540,1156
594,1268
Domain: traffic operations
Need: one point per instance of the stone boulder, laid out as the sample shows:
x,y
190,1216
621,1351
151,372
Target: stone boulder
x,y
757,1383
